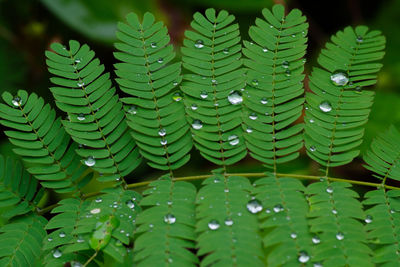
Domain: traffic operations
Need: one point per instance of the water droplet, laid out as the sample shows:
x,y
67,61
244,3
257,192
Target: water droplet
x,y
163,142
132,110
61,234
267,211
359,39
254,82
226,51
265,50
95,211
368,219
226,190
233,140
334,211
228,222
80,239
317,264
177,97
170,260
329,189
98,200
213,225
303,257
254,206
194,107
169,219
162,132
293,235
77,61
264,101
339,236
130,204
316,240
50,239
288,73
16,101
217,180
204,95
199,44
214,81
253,116
278,208
175,83
235,98
80,84
81,117
249,129
358,88
313,148
285,64
325,106
339,78
197,124
90,161
392,211
160,60
57,253
153,45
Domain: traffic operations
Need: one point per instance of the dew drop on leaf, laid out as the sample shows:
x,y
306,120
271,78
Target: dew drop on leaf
x,y
76,264
204,95
197,124
235,98
317,264
160,60
177,97
315,239
50,239
228,222
193,107
130,204
57,253
325,106
329,189
16,101
368,219
213,225
175,83
278,208
80,84
153,45
359,39
254,82
264,101
293,235
77,61
253,116
169,219
339,236
265,50
233,140
95,211
303,257
358,89
61,234
334,211
288,73
313,148
90,161
285,64
199,44
132,110
226,51
80,239
254,206
339,78
214,81
162,132
81,117
249,129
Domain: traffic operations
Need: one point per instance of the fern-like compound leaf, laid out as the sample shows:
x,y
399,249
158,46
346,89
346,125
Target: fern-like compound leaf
x,y
166,229
83,227
19,191
212,88
21,241
339,106
274,93
382,224
227,223
283,220
96,120
154,105
335,214
42,142
384,156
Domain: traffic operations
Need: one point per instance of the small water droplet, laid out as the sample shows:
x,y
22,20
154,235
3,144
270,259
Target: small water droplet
x,y
253,116
228,222
77,61
204,95
267,211
169,219
249,129
316,240
311,121
217,180
334,211
160,60
288,73
130,204
264,101
163,142
61,234
193,107
254,206
214,81
162,132
213,225
329,189
177,97
278,208
199,44
80,239
233,140
368,219
293,235
254,82
153,45
80,84
90,161
98,200
235,98
50,239
226,190
197,124
265,50
57,253
359,39
226,51
169,203
317,264
16,101
174,83
132,110
339,236
81,117
95,211
339,78
303,257
285,64
325,106
313,148
358,89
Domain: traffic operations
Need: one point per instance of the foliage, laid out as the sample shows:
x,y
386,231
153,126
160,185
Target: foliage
x,y
232,101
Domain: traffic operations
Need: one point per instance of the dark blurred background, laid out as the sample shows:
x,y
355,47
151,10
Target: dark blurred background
x,y
27,27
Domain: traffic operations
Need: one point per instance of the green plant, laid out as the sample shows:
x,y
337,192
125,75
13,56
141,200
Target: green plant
x,y
225,106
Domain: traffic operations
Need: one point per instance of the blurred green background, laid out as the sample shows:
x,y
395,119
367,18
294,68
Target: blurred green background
x,y
27,27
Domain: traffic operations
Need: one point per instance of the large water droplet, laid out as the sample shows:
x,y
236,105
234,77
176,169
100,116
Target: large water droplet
x,y
204,95
16,101
57,253
339,78
233,140
61,234
177,97
199,44
228,222
329,189
193,107
235,98
132,110
254,206
169,219
264,101
95,211
81,117
368,219
213,225
130,204
162,132
303,257
278,208
285,64
153,45
325,106
316,240
253,116
197,124
90,161
339,236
